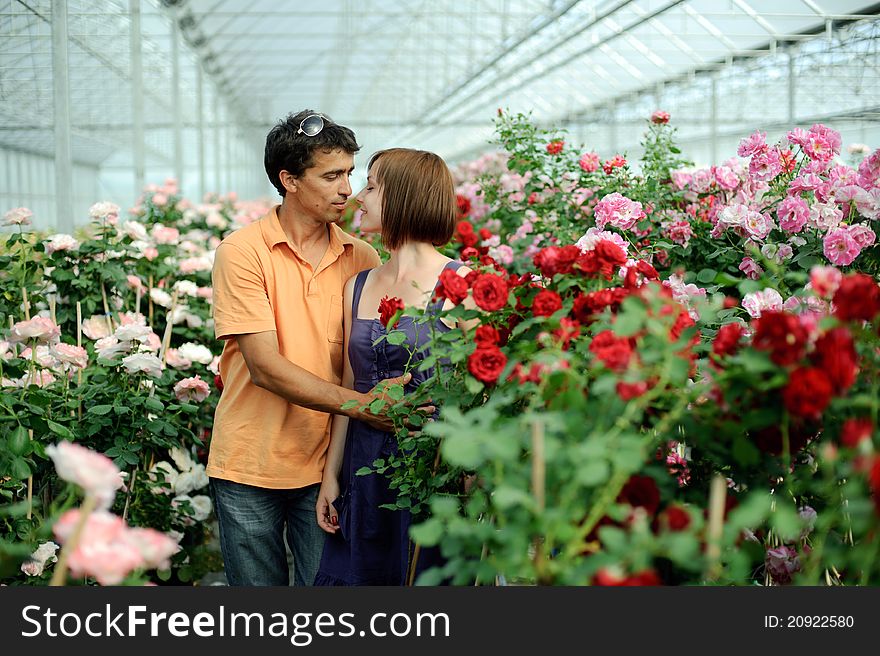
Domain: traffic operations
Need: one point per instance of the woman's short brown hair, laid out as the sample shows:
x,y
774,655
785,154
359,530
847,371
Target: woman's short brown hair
x,y
418,196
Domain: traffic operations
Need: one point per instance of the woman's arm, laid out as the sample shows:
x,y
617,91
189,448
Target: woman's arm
x,y
329,492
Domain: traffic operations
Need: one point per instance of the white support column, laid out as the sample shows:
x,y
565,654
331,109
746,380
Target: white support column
x,y
216,154
137,98
713,123
176,103
227,150
200,109
791,89
61,97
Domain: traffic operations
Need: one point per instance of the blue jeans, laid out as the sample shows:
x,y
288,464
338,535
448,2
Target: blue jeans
x,y
252,522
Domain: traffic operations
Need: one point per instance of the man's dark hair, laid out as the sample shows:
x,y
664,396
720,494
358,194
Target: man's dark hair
x,y
288,151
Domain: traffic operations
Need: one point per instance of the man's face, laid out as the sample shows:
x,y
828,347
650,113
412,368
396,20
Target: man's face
x,y
322,191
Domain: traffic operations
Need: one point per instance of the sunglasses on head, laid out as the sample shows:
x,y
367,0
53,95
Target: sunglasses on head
x,y
311,125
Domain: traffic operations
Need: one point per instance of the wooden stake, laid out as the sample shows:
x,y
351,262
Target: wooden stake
x,y
59,576
169,325
52,308
128,494
150,302
137,300
27,304
717,498
79,341
107,314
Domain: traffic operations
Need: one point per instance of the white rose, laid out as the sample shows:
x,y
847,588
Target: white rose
x,y
196,353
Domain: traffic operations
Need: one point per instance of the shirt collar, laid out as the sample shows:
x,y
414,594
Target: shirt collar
x,y
273,234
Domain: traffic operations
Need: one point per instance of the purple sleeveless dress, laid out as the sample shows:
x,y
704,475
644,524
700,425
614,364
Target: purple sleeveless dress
x,y
373,546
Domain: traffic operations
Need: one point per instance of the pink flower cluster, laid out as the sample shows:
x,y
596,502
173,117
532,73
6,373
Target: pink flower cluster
x,y
93,472
109,550
619,211
192,389
40,329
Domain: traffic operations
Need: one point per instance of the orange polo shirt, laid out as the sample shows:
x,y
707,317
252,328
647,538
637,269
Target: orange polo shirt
x,y
261,283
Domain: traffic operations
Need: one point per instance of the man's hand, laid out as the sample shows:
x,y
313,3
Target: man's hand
x,y
327,517
380,391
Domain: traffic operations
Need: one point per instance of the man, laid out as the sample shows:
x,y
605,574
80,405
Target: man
x,y
278,287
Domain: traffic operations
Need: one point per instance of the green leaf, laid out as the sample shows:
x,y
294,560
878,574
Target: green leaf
x,y
60,430
744,452
427,534
506,496
376,406
99,409
130,457
462,450
473,385
154,405
396,337
20,468
631,317
706,275
395,392
19,441
593,473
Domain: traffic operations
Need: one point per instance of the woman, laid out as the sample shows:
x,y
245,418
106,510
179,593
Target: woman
x,y
410,200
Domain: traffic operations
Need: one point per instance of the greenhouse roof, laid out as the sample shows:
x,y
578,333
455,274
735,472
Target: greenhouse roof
x,y
425,73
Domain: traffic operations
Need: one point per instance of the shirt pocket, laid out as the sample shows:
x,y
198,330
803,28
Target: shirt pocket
x,y
335,328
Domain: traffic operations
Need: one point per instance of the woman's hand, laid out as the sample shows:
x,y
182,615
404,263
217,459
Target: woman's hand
x,y
327,517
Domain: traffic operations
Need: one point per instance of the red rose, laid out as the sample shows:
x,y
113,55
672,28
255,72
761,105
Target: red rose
x,y
855,431
835,354
555,147
486,364
587,263
486,336
218,382
641,492
388,307
857,298
469,253
464,228
807,393
490,292
485,233
676,518
546,303
660,117
463,204
647,270
468,240
614,352
627,391
782,334
727,340
874,482
452,286
610,257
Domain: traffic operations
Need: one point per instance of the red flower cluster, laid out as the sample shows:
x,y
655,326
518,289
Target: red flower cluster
x,y
615,162
604,258
586,305
464,234
555,147
782,334
857,298
388,307
628,391
641,492
807,393
676,518
490,292
451,286
614,352
555,259
835,355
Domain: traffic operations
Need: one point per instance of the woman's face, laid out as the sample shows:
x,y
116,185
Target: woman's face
x,y
370,199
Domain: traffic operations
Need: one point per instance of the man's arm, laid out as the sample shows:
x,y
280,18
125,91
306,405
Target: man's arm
x,y
273,372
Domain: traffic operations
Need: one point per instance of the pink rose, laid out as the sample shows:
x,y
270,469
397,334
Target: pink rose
x,y
192,389
839,247
93,472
